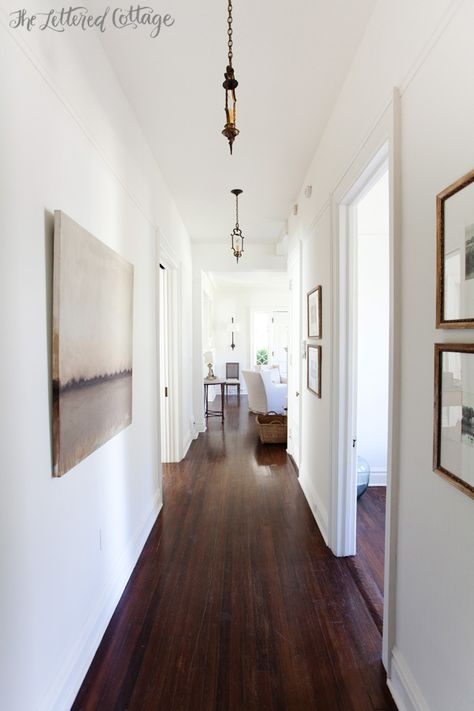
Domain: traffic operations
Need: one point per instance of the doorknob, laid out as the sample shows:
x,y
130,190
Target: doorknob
x,y
297,394
354,442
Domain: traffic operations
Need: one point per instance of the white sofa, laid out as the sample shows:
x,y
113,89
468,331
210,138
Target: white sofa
x,y
264,394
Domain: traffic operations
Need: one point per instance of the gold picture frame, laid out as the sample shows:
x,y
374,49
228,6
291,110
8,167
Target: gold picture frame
x,y
314,300
455,254
453,442
313,368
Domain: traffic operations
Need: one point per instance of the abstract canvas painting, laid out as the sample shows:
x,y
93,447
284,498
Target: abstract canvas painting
x,y
92,343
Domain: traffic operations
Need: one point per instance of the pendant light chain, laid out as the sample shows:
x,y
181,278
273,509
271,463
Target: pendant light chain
x,y
230,84
230,43
237,212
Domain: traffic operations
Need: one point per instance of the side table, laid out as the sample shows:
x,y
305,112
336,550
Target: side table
x,y
207,411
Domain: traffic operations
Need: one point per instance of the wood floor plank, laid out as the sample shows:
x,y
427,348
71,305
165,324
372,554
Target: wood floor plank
x,y
367,567
236,604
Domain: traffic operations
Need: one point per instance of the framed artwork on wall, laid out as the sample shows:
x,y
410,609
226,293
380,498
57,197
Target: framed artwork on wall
x,y
455,255
92,343
454,415
315,312
313,365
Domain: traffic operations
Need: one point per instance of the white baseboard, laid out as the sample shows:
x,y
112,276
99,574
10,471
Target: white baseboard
x,y
319,511
61,694
188,439
378,477
402,685
199,428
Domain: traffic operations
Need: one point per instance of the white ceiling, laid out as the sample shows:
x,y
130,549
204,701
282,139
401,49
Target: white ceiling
x,y
249,280
290,60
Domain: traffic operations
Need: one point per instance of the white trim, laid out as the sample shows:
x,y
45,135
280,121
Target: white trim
x,y
294,375
308,232
170,260
319,511
68,680
430,45
169,257
188,440
383,143
378,477
403,687
393,445
197,349
199,428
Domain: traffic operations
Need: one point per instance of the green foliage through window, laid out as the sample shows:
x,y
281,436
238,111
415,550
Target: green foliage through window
x,y
262,356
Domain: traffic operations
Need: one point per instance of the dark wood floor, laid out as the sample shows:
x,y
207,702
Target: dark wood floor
x,y
236,604
367,566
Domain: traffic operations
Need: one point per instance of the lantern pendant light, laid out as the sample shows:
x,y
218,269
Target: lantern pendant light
x,y
230,85
237,238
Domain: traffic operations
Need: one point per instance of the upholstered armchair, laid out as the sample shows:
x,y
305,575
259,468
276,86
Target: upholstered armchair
x,y
265,395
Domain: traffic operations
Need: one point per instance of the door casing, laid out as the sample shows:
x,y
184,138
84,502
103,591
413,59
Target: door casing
x,y
381,146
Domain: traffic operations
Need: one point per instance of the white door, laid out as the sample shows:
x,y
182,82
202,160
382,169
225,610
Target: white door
x,y
294,355
164,367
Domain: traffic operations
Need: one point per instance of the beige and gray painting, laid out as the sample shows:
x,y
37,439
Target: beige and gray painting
x,y
92,343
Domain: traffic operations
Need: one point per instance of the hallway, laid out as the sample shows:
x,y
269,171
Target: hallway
x,y
236,604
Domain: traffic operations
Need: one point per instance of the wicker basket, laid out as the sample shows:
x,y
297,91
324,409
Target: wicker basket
x,y
272,428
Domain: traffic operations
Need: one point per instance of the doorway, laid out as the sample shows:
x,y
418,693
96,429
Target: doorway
x,y
269,338
294,357
370,266
164,366
169,357
379,155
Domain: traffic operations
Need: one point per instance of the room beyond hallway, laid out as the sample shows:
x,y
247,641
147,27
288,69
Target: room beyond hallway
x,y
236,604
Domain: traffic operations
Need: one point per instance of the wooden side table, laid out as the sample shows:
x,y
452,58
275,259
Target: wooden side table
x,y
207,411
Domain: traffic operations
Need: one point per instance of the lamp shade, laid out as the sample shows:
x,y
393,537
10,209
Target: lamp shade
x,y
208,357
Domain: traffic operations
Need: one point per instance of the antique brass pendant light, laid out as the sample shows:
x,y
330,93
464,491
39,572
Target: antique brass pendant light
x,y
230,85
237,238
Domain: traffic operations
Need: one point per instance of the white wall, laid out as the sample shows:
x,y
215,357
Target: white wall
x,y
315,453
69,141
373,306
424,48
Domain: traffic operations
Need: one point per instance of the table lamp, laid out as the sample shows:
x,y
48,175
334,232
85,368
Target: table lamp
x,y
208,359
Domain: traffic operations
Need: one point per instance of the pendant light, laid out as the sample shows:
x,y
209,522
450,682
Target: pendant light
x,y
237,238
230,85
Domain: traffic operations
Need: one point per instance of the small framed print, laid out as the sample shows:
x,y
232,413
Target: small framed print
x,y
455,255
315,312
454,415
313,365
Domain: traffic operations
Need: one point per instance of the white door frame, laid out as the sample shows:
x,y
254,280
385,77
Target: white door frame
x,y
164,365
295,319
174,349
381,145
